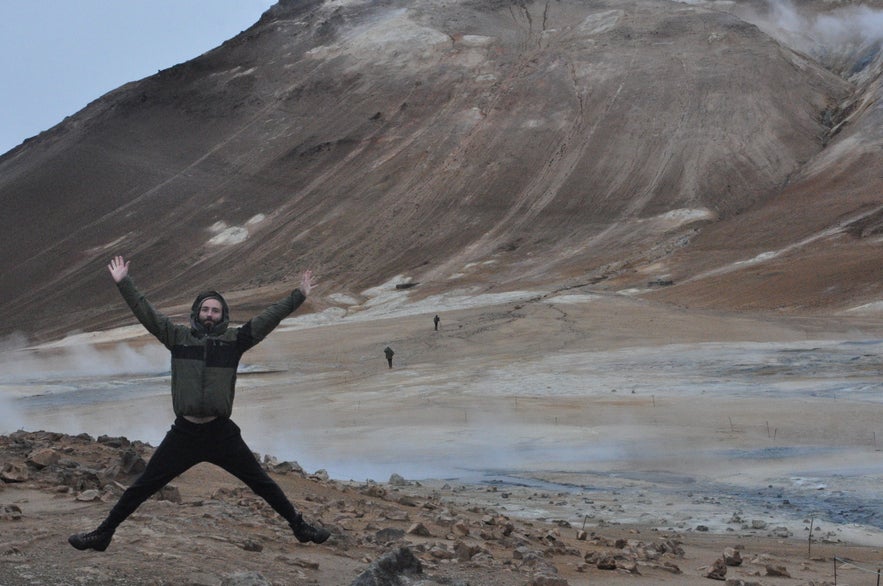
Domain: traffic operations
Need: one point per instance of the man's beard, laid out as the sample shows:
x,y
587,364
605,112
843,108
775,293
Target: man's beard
x,y
207,325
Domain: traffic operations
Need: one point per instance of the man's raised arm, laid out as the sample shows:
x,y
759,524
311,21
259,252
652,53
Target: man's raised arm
x,y
155,322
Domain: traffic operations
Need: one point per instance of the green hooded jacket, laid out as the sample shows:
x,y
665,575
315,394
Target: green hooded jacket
x,y
204,363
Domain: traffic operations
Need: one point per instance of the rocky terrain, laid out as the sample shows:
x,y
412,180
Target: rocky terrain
x,y
205,530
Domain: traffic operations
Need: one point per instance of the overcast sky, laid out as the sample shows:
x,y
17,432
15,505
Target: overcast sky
x,y
56,56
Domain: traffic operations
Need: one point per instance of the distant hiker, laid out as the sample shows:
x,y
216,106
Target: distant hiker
x,y
389,353
205,355
435,320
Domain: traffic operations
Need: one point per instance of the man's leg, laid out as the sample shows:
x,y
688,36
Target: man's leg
x,y
177,453
234,456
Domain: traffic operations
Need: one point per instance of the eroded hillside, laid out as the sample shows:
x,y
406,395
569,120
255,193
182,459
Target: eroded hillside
x,y
461,145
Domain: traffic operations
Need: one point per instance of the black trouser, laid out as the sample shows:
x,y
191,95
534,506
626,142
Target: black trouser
x,y
187,444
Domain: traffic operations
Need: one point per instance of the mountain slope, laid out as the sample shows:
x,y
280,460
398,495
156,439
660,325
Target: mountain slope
x,y
464,144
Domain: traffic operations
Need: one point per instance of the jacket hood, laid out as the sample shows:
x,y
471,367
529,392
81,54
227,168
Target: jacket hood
x,y
197,328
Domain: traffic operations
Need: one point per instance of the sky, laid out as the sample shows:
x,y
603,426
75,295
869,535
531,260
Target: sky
x,y
56,56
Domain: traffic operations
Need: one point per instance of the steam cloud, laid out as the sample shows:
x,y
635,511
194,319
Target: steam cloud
x,y
18,363
846,39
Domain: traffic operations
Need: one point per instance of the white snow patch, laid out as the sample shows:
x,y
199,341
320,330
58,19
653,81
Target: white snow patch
x,y
231,235
572,298
874,307
688,215
763,256
343,298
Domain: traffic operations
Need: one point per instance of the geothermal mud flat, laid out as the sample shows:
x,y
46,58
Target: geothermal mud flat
x,y
591,408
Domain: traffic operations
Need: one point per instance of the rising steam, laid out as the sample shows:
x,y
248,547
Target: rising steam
x,y
846,40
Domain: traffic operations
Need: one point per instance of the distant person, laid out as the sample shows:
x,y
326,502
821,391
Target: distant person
x,y
389,354
205,355
435,320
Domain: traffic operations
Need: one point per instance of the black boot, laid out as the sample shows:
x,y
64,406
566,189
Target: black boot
x,y
97,540
306,532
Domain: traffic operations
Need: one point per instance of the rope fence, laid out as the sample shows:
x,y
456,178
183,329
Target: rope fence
x,y
844,563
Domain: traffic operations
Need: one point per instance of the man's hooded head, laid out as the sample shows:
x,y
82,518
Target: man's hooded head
x,y
208,322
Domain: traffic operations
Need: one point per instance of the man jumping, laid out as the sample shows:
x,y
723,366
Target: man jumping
x,y
205,356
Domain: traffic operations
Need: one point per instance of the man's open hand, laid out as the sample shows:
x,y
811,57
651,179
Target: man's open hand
x,y
307,282
118,268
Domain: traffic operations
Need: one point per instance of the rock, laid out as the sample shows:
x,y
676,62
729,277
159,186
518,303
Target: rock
x,y
440,552
419,529
407,501
777,571
628,565
389,569
718,570
321,475
113,442
548,580
373,490
732,557
43,457
274,465
14,472
10,513
89,495
461,528
388,534
606,562
251,545
132,463
669,567
169,493
397,480
465,551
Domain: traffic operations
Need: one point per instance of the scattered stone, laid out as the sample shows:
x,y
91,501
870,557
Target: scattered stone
x,y
548,580
43,457
14,472
389,534
169,493
251,545
321,475
277,467
777,571
10,513
732,557
606,562
373,490
628,565
419,529
465,551
718,570
389,569
397,480
132,463
461,528
89,495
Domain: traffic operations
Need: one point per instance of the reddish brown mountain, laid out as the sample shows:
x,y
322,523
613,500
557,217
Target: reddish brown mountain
x,y
488,144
